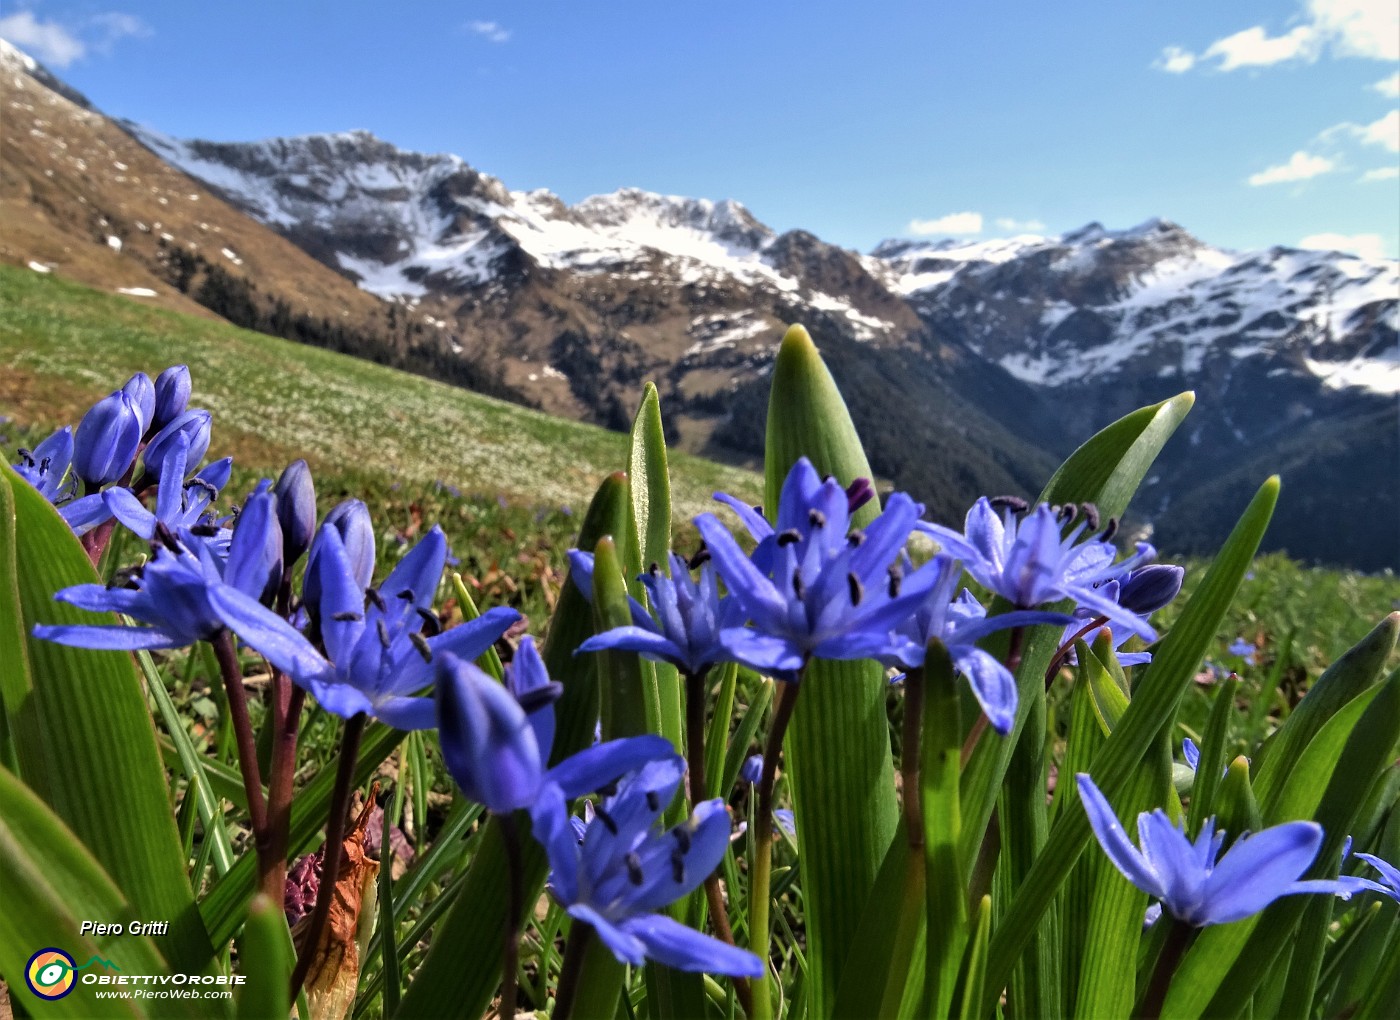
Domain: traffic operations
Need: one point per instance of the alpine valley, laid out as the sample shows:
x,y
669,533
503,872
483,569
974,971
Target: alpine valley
x,y
999,355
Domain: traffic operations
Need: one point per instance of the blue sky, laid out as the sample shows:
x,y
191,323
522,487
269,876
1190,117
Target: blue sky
x,y
1249,123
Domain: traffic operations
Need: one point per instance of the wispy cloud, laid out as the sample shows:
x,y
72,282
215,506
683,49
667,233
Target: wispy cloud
x,y
1389,87
1300,167
1175,60
61,45
1384,173
1019,226
491,31
46,41
1368,246
1368,29
1384,132
953,223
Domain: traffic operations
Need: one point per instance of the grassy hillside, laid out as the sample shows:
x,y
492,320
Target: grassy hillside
x,y
66,345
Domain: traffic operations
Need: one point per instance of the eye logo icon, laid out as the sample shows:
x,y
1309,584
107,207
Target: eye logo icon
x,y
49,974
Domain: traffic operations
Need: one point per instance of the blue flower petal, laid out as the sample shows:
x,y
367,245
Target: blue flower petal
x,y
671,943
1115,842
626,947
109,637
1257,868
595,767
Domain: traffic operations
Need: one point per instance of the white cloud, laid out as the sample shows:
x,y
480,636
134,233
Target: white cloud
x,y
1254,47
1389,87
1175,60
46,41
953,223
1300,167
1020,226
1384,173
1385,131
491,31
112,26
1369,29
1368,246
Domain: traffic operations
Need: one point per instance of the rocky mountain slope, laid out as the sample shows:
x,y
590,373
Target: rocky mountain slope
x,y
969,367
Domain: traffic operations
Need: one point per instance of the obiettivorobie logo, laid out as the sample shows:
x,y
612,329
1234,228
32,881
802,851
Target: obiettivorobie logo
x,y
51,973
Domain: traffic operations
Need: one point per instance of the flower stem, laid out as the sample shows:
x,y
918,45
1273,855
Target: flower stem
x,y
286,720
699,791
580,935
1179,937
760,878
330,861
1068,647
515,906
227,656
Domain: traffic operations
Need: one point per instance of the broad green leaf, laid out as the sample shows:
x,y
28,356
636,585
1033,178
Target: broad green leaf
x,y
51,885
600,977
265,959
1222,970
84,737
629,706
488,660
945,890
1360,668
837,748
975,983
1152,707
224,906
461,971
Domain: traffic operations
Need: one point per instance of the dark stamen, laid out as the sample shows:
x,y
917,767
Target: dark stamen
x,y
1091,514
372,595
1015,504
856,589
205,530
634,868
1066,513
406,595
788,537
200,483
678,868
609,789
383,633
432,626
856,539
798,588
545,694
347,616
606,819
1111,529
682,835
896,578
421,643
701,555
653,801
167,537
654,569
758,509
816,518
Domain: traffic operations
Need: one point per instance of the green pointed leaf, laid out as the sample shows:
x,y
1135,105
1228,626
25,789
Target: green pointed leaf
x,y
1236,808
265,959
1153,705
51,885
629,706
84,738
1212,761
837,747
975,985
945,889
651,484
1361,667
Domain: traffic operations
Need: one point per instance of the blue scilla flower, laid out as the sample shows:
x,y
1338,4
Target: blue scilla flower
x,y
625,868
380,648
143,398
690,616
351,521
960,623
1031,562
814,587
496,738
296,509
752,769
105,442
195,427
1244,650
1389,885
46,466
172,396
180,506
1142,592
1192,885
176,593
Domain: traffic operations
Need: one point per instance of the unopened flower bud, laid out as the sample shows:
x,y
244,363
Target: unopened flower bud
x,y
255,552
143,397
172,395
296,510
1147,589
352,522
105,443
